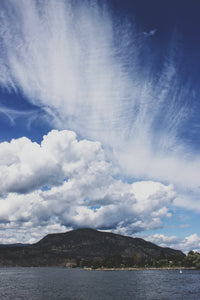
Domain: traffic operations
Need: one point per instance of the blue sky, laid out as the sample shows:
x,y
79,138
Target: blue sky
x,y
99,119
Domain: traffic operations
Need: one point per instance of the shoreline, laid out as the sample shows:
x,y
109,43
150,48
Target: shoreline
x,y
105,269
138,269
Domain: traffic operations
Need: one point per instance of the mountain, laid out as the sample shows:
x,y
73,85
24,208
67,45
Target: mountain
x,y
85,247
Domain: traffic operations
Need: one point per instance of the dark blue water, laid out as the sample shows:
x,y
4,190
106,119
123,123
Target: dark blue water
x,y
78,284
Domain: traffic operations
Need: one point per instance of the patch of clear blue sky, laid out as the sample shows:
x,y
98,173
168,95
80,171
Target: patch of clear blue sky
x,y
181,224
45,188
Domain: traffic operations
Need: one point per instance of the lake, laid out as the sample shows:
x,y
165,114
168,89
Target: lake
x,y
79,284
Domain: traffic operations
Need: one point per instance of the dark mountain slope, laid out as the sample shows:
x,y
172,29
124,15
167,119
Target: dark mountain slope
x,y
90,243
82,245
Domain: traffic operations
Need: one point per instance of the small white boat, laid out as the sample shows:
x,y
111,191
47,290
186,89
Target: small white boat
x,y
181,272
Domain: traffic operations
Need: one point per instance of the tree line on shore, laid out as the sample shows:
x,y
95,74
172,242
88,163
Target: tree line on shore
x,y
191,260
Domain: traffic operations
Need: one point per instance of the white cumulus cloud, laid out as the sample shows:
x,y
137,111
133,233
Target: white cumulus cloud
x,y
67,182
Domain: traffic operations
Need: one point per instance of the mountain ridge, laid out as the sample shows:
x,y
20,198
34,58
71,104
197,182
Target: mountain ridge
x,y
80,246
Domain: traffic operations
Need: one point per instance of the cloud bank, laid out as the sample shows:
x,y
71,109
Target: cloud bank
x,y
191,242
67,183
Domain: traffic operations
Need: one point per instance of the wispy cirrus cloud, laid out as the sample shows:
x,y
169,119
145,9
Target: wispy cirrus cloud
x,y
77,69
14,114
150,32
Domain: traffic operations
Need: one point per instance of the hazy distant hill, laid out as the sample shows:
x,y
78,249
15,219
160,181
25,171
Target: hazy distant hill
x,y
13,245
82,247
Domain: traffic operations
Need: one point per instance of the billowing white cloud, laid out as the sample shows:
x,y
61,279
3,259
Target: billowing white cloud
x,y
26,166
67,183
